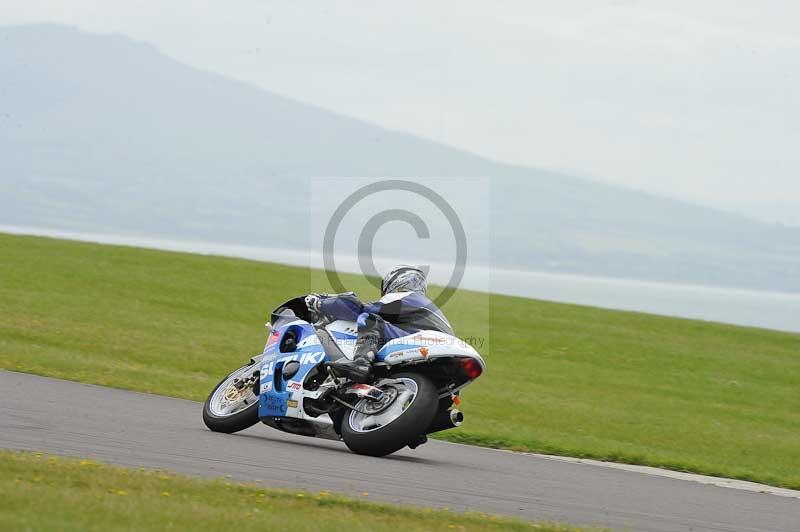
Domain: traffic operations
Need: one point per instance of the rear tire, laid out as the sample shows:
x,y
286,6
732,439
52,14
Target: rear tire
x,y
401,431
235,422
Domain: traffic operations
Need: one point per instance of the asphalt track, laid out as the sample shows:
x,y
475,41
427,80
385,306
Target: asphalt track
x,y
134,429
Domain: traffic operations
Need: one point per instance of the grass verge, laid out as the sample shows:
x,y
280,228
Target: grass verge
x,y
39,492
562,379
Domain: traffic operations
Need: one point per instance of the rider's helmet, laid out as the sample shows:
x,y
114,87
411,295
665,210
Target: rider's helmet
x,y
404,278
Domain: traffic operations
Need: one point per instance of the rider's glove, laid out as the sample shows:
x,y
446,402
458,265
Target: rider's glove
x,y
314,305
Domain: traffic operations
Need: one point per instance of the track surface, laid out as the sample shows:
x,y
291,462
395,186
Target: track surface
x,y
134,429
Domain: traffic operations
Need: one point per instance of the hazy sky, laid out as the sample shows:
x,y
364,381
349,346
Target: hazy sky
x,y
693,99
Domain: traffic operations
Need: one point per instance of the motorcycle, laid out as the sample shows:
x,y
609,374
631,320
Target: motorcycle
x,y
289,387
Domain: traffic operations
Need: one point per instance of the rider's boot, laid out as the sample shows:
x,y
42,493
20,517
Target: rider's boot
x,y
357,370
360,368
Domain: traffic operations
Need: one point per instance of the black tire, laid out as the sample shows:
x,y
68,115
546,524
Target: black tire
x,y
403,430
233,423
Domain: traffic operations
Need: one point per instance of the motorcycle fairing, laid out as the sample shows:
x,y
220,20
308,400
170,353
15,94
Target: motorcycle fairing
x,y
423,346
283,397
275,397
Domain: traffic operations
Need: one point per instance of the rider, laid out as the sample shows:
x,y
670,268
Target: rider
x,y
403,309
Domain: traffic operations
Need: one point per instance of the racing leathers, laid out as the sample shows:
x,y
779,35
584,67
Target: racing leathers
x,y
393,316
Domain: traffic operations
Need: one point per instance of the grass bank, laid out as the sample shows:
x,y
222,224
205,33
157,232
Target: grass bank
x,y
39,492
562,379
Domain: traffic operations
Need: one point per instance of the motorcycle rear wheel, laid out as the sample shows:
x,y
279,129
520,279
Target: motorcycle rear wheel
x,y
400,424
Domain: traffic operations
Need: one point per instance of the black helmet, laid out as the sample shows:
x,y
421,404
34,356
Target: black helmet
x,y
404,279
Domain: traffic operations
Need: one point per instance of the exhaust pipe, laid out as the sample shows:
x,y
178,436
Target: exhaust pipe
x,y
445,419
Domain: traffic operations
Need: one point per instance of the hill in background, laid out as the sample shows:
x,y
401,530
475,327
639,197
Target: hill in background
x,y
102,133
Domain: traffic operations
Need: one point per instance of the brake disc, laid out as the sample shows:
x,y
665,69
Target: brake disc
x,y
375,407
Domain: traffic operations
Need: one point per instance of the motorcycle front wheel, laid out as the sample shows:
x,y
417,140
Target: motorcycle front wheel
x,y
399,424
232,405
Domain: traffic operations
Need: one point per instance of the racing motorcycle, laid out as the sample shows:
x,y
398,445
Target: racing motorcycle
x,y
289,387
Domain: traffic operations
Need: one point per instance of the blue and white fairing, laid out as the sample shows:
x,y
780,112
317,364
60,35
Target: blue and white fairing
x,y
424,346
427,346
281,398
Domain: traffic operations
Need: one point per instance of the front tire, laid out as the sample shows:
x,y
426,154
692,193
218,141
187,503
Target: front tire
x,y
228,409
401,424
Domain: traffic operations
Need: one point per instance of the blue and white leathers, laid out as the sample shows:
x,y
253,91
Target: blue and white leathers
x,y
401,313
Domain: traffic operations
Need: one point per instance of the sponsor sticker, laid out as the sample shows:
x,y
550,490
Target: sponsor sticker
x,y
294,385
409,354
396,354
266,387
291,403
273,405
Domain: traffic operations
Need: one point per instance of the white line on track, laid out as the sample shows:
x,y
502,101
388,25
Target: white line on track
x,y
721,482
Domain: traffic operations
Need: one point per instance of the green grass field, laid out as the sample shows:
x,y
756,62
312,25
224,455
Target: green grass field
x,y
39,492
561,379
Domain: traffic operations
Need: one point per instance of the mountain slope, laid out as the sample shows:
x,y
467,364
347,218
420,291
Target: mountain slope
x,y
103,133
